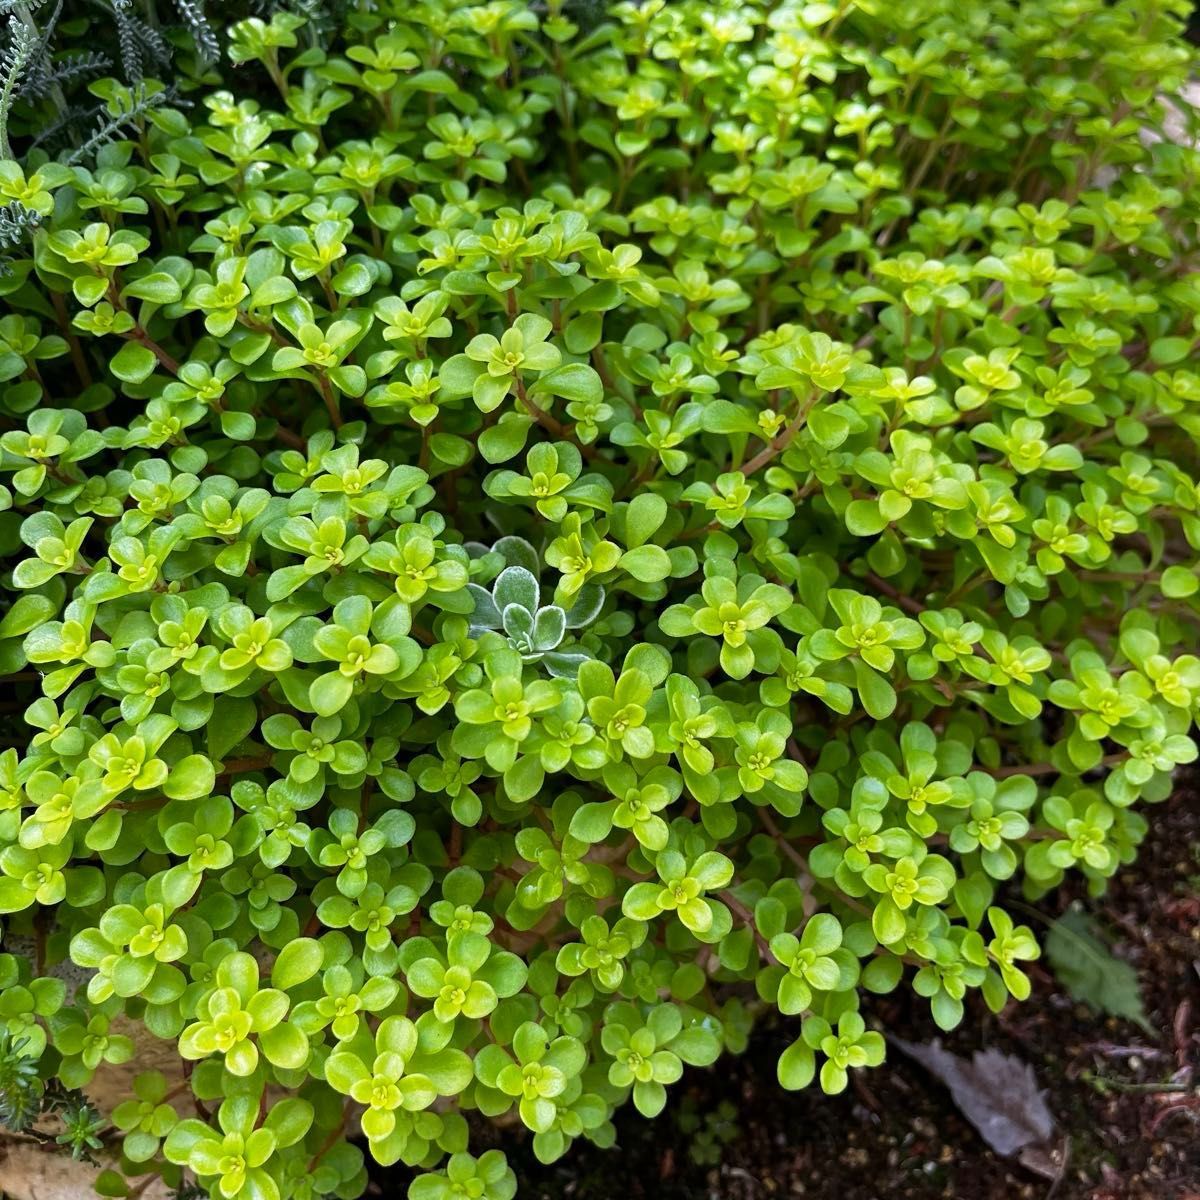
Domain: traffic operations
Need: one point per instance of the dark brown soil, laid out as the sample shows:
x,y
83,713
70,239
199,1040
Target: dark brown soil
x,y
1126,1104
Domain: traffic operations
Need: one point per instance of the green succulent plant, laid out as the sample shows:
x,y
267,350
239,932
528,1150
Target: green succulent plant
x,y
536,534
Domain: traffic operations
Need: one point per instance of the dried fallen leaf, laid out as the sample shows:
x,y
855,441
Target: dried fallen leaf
x,y
996,1092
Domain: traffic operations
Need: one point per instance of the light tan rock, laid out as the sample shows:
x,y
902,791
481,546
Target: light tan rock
x,y
29,1171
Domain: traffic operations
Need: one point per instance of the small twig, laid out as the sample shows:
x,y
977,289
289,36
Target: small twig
x,y
331,407
330,1140
894,593
549,422
740,910
1048,768
779,444
1118,1085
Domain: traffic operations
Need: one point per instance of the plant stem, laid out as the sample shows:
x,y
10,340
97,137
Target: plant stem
x,y
779,444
